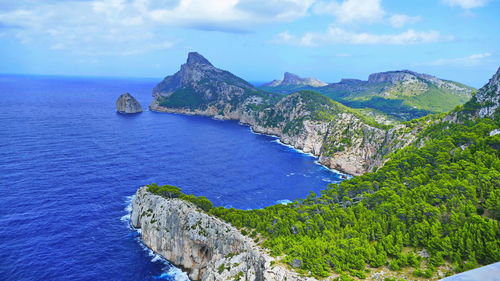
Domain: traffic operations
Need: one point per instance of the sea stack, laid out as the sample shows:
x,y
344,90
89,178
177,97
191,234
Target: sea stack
x,y
127,104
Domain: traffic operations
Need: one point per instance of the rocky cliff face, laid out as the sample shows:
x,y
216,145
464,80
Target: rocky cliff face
x,y
127,104
198,85
488,96
208,248
340,137
290,79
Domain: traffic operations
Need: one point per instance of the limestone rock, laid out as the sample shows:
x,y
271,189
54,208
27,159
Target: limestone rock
x,y
290,79
488,96
208,248
127,104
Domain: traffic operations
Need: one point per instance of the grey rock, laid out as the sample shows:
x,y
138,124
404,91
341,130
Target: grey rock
x,y
489,96
127,104
290,79
207,247
296,263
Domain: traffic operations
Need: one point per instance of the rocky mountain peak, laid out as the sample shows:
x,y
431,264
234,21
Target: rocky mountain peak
x,y
488,96
391,76
197,84
195,58
290,79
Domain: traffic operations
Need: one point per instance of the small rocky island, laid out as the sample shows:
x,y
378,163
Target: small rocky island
x,y
127,104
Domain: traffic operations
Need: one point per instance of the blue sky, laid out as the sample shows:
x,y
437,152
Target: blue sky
x,y
255,39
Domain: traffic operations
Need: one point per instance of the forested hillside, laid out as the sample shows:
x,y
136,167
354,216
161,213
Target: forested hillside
x,y
432,210
427,207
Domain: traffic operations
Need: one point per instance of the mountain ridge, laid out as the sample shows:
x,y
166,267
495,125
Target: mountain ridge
x,y
343,138
290,79
404,94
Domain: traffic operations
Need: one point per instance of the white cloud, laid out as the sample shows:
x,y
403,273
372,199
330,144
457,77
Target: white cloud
x,y
349,11
399,20
466,4
124,27
338,35
225,15
471,60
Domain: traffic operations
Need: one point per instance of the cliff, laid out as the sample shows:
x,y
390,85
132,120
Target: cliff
x,y
127,104
488,97
206,247
343,138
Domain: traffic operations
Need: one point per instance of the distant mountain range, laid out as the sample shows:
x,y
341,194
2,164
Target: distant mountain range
x,y
290,79
405,94
348,139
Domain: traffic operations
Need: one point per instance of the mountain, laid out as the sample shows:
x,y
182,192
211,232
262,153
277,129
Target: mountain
x,y
486,102
346,139
432,210
198,85
292,83
290,79
404,94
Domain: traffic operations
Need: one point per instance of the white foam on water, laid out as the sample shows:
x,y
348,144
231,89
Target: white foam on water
x,y
293,148
257,133
283,201
169,270
333,170
277,140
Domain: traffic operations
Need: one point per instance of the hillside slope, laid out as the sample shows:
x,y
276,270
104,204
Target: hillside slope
x,y
432,210
343,138
405,94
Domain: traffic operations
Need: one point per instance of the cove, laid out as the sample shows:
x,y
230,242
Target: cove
x,y
69,162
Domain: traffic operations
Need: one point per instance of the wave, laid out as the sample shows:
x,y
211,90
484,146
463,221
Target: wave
x,y
295,149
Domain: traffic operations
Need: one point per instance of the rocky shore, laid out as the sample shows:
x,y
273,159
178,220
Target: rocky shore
x,y
341,137
205,246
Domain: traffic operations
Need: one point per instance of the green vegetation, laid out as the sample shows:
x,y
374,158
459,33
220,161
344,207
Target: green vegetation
x,y
183,98
402,100
170,191
394,107
318,107
442,197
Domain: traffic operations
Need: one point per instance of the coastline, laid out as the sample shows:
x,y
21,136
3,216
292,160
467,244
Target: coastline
x,y
203,246
279,139
169,269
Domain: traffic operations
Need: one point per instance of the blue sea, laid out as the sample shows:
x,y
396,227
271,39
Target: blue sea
x,y
69,165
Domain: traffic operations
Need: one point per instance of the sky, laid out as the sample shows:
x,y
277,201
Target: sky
x,y
257,40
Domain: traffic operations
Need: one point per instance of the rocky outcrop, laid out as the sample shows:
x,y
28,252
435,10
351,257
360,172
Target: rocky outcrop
x,y
488,97
206,247
127,104
340,137
290,79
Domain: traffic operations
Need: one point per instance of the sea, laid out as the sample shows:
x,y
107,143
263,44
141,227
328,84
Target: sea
x,y
69,166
